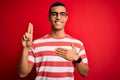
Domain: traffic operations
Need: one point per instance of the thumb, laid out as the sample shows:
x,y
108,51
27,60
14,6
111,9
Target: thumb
x,y
73,47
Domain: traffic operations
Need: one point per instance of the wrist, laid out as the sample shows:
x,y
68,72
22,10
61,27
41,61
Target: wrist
x,y
79,59
26,48
76,58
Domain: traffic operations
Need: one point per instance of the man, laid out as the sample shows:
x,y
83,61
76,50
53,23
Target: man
x,y
56,54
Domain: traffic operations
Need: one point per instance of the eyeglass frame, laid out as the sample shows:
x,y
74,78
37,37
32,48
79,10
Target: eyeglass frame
x,y
55,14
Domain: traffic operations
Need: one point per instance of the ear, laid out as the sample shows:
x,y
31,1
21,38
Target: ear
x,y
48,18
66,18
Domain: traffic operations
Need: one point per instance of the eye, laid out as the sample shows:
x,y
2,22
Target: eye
x,y
53,14
63,14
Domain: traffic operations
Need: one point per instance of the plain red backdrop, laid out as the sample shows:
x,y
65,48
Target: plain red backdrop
x,y
95,22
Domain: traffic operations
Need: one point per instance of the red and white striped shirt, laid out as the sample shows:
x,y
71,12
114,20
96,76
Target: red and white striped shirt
x,y
50,66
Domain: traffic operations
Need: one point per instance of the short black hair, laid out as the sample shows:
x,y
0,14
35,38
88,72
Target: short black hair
x,y
56,4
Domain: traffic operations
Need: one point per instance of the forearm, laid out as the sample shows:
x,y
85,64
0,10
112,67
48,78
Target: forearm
x,y
82,69
24,67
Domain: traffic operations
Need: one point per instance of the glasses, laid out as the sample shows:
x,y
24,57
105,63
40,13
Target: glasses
x,y
55,14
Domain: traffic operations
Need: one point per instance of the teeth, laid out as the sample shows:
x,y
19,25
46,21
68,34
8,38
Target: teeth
x,y
58,22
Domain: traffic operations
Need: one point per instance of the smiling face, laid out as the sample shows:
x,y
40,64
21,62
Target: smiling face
x,y
58,17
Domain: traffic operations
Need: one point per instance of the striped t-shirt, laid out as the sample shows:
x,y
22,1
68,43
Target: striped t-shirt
x,y
50,66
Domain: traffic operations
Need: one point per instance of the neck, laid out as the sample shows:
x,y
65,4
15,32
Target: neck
x,y
57,34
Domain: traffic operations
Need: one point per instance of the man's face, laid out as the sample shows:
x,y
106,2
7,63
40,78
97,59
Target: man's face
x,y
58,17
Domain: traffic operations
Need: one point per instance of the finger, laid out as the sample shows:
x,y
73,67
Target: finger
x,y
61,54
62,49
26,35
24,38
30,28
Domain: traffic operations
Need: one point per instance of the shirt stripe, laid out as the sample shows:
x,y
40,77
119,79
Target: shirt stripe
x,y
55,64
57,40
59,44
51,58
52,48
54,69
50,78
56,74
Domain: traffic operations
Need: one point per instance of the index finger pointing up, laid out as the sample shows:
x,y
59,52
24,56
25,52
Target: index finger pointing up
x,y
30,28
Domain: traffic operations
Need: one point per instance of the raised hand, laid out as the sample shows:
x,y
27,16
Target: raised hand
x,y
70,55
28,37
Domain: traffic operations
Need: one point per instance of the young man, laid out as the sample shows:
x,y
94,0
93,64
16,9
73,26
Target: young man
x,y
56,54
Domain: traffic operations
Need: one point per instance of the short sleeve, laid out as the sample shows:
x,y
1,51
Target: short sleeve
x,y
83,55
31,56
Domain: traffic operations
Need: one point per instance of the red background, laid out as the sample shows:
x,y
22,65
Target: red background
x,y
95,22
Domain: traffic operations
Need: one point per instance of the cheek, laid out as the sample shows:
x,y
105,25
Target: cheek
x,y
66,19
51,20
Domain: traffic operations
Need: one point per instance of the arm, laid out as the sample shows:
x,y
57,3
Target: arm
x,y
25,67
73,56
82,68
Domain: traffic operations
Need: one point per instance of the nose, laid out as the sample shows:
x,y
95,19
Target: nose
x,y
58,16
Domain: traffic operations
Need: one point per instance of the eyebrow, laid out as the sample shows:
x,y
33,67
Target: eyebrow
x,y
57,12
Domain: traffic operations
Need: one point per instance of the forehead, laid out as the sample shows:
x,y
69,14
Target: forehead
x,y
58,9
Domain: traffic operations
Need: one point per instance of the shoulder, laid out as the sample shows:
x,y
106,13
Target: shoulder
x,y
38,40
75,40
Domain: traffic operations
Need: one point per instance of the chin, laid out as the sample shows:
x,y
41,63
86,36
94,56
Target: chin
x,y
58,27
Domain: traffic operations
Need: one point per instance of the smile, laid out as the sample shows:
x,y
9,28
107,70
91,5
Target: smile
x,y
58,22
